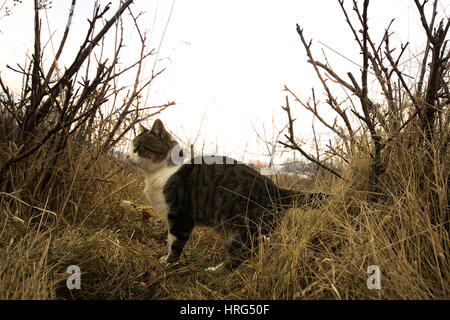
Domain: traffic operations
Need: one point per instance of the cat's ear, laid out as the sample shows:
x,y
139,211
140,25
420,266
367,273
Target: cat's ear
x,y
142,129
158,128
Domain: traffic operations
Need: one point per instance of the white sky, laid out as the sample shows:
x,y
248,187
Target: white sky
x,y
227,61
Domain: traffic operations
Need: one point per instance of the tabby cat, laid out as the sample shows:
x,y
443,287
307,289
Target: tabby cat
x,y
229,196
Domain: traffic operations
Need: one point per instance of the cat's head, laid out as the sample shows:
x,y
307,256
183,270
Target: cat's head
x,y
151,148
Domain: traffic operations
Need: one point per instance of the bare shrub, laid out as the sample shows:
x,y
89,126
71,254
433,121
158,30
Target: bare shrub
x,y
58,131
412,119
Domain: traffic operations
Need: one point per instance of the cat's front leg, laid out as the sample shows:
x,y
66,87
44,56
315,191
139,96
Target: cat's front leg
x,y
172,253
180,228
176,240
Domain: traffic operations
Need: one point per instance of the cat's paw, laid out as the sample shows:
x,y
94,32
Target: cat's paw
x,y
219,269
167,260
163,259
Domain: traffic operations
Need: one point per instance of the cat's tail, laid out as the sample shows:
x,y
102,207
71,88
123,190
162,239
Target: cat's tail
x,y
289,199
294,198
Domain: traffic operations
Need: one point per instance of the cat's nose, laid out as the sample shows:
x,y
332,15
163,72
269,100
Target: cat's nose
x,y
132,159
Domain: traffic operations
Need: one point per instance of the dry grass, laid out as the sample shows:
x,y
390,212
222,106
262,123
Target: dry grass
x,y
318,253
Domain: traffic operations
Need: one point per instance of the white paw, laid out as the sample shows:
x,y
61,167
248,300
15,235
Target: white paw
x,y
163,259
219,269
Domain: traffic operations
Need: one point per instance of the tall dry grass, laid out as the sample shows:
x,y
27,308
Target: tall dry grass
x,y
320,253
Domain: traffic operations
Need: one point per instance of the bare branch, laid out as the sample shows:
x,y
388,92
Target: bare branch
x,y
62,43
294,146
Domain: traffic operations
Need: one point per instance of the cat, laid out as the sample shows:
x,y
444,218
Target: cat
x,y
236,200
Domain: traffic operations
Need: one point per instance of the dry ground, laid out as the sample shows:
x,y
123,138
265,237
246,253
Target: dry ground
x,y
319,253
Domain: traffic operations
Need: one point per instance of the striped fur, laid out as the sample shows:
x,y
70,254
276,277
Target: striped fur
x,y
229,196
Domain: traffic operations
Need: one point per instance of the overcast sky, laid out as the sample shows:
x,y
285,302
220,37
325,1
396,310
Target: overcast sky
x,y
227,61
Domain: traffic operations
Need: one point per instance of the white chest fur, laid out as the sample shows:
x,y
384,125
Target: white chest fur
x,y
154,184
